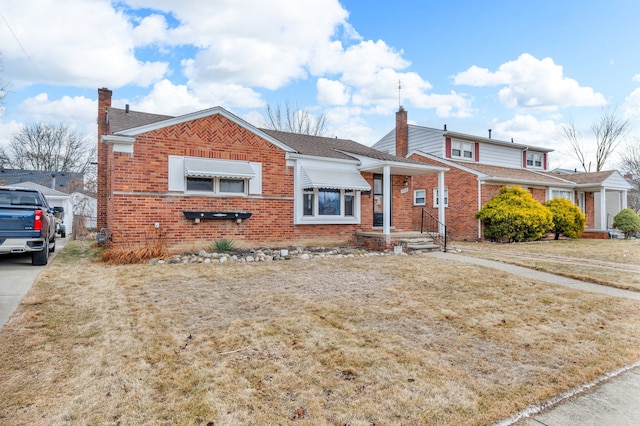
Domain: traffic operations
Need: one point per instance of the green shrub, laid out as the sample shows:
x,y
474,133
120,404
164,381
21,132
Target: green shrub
x,y
515,215
568,220
224,246
627,221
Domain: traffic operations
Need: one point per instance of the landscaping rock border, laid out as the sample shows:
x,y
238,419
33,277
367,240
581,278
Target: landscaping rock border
x,y
276,254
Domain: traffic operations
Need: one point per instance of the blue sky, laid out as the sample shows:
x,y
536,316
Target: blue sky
x,y
520,68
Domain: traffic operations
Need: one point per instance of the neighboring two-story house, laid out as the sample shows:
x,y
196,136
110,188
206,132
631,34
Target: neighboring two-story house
x,y
209,175
480,166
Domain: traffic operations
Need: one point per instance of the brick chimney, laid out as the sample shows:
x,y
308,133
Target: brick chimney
x,y
104,103
402,133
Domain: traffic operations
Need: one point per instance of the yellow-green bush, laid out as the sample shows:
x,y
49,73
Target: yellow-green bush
x,y
568,220
515,215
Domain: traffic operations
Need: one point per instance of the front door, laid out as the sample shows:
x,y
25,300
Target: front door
x,y
378,201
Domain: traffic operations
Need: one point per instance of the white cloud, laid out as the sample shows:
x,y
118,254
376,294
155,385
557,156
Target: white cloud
x,y
8,130
89,45
332,92
527,129
177,99
167,98
632,105
532,83
73,110
636,78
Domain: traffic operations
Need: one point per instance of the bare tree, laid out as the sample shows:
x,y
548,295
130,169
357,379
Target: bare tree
x,y
41,146
609,131
630,166
294,120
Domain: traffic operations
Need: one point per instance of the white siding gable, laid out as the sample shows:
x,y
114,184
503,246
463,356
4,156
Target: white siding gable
x,y
498,155
428,140
616,181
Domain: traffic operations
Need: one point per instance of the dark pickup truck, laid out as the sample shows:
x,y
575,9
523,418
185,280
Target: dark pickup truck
x,y
27,224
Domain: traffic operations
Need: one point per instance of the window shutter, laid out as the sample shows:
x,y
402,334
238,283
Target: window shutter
x,y
447,148
477,152
255,183
544,161
524,159
176,173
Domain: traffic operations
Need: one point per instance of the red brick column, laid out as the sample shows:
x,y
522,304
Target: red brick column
x,y
104,103
402,133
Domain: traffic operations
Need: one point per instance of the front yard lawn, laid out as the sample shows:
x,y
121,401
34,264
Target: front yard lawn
x,y
367,340
609,262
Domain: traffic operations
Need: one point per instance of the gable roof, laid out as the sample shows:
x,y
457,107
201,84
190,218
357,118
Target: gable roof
x,y
45,178
47,192
144,122
320,146
587,177
604,178
513,174
120,119
131,123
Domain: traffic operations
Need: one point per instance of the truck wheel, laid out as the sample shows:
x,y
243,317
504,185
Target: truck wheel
x,y
40,258
52,246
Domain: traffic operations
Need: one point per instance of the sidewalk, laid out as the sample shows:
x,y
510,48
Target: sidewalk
x,y
613,400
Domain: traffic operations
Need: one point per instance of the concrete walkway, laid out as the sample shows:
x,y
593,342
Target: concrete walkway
x,y
17,275
613,400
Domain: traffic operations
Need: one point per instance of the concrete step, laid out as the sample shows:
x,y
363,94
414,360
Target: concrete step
x,y
423,247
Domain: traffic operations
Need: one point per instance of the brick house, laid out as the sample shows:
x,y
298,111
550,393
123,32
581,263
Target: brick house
x,y
480,166
209,175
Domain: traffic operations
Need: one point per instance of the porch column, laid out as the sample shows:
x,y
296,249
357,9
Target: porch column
x,y
386,190
603,209
623,199
441,210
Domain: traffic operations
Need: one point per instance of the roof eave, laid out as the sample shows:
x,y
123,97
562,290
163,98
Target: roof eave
x,y
202,114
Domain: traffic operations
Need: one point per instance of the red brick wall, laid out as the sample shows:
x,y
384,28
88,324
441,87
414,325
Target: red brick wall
x,y
139,197
463,200
589,207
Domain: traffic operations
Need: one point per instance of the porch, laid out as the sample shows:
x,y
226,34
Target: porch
x,y
408,240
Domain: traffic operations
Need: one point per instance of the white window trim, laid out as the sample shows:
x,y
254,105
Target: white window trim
x,y
582,202
552,195
216,187
424,197
460,146
531,157
317,218
177,180
436,200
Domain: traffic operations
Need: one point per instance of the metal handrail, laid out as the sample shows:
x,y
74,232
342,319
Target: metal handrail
x,y
434,228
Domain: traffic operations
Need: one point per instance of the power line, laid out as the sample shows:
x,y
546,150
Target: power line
x,y
21,46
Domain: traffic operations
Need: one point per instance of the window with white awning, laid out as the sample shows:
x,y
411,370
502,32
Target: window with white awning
x,y
317,177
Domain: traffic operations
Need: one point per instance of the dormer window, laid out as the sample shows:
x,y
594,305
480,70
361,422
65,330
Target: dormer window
x,y
462,150
534,160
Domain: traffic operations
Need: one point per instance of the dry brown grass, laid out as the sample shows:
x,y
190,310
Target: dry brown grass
x,y
614,263
360,341
135,254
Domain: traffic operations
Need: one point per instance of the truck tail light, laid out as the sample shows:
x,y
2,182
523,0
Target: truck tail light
x,y
37,220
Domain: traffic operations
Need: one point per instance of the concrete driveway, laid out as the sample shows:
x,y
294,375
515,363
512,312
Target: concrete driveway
x,y
16,278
